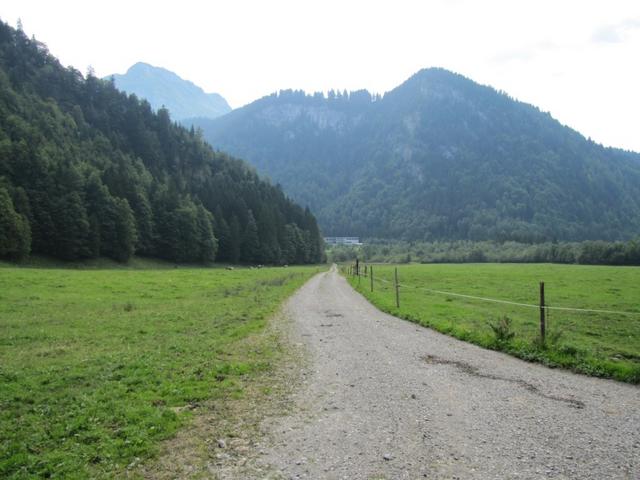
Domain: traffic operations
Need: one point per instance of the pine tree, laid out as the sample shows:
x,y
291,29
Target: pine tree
x,y
145,225
235,236
289,249
15,234
250,246
125,231
71,241
207,242
223,234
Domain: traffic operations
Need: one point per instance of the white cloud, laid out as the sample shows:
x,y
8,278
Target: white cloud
x,y
556,55
616,33
525,53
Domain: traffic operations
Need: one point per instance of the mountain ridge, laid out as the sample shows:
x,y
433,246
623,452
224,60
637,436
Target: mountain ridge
x,y
88,171
164,88
438,157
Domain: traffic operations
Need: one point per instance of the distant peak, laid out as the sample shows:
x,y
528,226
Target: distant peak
x,y
436,73
147,67
140,66
164,88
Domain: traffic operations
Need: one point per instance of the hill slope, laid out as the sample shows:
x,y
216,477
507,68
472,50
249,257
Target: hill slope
x,y
439,157
161,87
87,171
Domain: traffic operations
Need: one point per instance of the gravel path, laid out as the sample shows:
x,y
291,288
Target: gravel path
x,y
382,398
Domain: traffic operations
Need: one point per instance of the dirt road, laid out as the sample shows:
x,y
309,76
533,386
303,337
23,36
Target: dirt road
x,y
385,399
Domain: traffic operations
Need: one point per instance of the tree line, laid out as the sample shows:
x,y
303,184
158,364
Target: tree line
x,y
88,171
593,252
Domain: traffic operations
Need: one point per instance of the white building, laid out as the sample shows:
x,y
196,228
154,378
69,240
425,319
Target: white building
x,y
342,240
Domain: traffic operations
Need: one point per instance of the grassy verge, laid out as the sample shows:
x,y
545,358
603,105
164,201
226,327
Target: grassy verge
x,y
98,367
599,344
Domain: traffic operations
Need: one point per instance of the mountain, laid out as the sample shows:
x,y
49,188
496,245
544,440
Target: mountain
x,y
439,157
161,87
87,170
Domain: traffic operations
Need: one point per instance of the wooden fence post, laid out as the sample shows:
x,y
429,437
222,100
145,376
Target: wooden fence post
x,y
371,276
542,309
397,289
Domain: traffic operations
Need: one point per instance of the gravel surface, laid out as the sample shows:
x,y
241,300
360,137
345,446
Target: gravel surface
x,y
382,398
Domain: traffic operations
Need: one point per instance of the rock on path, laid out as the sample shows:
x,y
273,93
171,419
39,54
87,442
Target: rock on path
x,y
385,399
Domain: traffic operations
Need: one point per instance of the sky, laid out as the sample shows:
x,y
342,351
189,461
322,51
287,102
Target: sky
x,y
578,60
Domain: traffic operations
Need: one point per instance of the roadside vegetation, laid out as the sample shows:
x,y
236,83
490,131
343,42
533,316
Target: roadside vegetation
x,y
98,366
593,252
599,344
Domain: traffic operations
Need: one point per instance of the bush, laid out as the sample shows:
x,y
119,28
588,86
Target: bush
x,y
502,330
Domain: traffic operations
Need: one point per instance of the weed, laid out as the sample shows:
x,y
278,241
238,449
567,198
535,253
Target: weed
x,y
503,329
569,350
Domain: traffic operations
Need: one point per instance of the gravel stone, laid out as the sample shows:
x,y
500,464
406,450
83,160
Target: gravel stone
x,y
478,414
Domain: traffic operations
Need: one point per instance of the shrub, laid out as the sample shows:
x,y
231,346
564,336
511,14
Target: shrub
x,y
502,329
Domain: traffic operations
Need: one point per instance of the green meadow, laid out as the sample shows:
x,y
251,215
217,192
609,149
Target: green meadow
x,y
600,344
99,365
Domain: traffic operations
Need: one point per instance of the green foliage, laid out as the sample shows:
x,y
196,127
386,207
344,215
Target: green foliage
x,y
502,329
602,344
15,234
437,158
97,367
94,172
250,245
464,251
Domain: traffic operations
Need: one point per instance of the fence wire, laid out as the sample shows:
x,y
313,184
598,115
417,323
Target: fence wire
x,y
508,302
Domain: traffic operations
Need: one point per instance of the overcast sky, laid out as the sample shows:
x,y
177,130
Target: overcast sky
x,y
580,60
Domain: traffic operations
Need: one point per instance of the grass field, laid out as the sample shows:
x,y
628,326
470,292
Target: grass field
x,y
97,366
598,344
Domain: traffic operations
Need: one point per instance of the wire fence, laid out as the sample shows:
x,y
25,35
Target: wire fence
x,y
544,309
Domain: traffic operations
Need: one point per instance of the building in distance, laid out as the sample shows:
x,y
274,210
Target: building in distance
x,y
342,240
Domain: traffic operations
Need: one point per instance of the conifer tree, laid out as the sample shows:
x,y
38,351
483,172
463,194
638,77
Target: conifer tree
x,y
96,172
207,242
15,234
250,246
223,234
235,236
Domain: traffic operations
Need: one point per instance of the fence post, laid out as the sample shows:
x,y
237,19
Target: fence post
x,y
357,267
397,289
371,276
542,309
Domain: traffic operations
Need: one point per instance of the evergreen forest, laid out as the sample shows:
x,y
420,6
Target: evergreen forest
x,y
438,158
89,171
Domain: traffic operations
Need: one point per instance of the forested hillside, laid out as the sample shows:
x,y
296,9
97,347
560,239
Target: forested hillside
x,y
88,171
163,88
438,158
